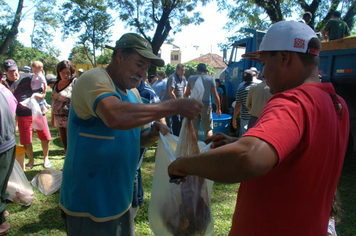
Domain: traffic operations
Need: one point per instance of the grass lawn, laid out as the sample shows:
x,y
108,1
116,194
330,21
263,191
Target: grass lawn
x,y
42,217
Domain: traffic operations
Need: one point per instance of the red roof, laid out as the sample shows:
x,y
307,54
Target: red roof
x,y
214,60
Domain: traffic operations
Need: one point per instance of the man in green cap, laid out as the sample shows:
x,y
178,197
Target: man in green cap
x,y
107,126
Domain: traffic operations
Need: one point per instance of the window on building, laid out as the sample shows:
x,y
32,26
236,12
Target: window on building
x,y
174,57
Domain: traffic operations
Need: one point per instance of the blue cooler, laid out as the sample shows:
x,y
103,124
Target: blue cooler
x,y
221,124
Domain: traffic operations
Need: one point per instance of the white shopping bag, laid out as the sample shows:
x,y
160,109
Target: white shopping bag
x,y
20,190
182,209
37,116
47,181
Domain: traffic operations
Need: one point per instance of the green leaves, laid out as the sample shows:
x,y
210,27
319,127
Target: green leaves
x,y
260,14
190,69
90,22
44,22
158,17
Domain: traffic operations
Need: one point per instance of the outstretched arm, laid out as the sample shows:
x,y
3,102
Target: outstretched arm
x,y
117,114
245,159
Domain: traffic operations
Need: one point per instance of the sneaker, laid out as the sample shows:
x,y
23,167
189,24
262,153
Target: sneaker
x,y
47,164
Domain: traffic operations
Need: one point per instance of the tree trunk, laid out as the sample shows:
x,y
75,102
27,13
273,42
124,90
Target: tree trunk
x,y
161,34
310,8
320,26
14,29
272,8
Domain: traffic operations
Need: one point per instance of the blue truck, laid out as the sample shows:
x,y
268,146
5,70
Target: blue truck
x,y
337,65
232,74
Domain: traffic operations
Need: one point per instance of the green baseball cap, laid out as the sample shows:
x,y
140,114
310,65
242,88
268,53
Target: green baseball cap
x,y
140,45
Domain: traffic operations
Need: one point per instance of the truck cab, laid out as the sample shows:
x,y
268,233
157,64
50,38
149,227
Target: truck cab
x,y
236,65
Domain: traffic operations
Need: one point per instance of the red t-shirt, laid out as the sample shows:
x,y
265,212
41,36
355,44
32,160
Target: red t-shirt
x,y
309,128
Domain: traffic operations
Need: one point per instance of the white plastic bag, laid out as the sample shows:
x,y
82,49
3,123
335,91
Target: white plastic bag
x,y
182,209
20,190
48,181
37,119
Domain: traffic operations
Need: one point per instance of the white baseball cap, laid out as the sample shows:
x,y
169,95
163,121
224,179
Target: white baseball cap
x,y
254,69
286,36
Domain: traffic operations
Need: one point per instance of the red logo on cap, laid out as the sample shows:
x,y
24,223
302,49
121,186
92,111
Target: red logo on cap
x,y
299,43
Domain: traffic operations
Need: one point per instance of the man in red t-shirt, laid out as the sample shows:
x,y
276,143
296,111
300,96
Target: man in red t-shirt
x,y
290,162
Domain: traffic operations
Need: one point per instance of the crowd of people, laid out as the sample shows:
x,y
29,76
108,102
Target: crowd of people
x,y
66,96
107,118
33,85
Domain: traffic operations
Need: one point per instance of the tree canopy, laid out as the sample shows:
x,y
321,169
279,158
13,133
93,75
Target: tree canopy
x,y
45,20
260,14
79,54
23,56
190,69
90,20
155,20
105,56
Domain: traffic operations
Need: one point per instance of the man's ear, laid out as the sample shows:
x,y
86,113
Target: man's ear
x,y
119,56
285,57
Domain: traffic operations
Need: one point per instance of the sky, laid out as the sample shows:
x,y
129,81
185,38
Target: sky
x,y
206,35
